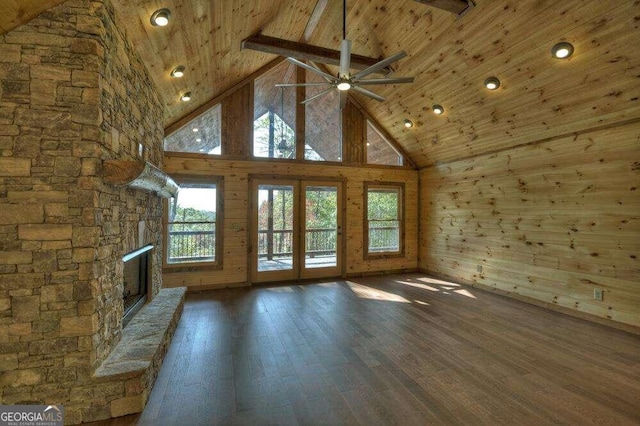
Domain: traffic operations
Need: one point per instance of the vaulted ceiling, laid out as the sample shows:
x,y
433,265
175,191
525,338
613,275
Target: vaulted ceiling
x,y
450,57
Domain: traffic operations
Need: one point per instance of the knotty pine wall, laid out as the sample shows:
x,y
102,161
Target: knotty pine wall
x,y
236,235
547,222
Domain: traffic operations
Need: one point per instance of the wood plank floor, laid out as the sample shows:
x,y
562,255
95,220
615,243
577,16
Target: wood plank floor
x,y
402,349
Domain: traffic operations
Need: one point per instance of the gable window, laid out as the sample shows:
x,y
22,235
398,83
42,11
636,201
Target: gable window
x,y
379,149
384,218
274,114
193,225
202,135
323,132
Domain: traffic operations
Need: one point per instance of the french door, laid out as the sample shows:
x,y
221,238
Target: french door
x,y
296,229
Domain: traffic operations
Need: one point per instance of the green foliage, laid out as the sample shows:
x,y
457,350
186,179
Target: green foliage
x,y
382,205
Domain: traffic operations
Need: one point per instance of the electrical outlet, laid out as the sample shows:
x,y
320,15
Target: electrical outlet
x,y
479,268
597,293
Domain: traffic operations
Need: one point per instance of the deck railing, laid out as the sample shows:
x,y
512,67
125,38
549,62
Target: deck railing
x,y
200,245
192,246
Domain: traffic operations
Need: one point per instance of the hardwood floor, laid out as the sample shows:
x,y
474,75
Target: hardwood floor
x,y
402,349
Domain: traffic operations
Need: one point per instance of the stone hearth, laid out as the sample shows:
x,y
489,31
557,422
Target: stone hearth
x,y
72,95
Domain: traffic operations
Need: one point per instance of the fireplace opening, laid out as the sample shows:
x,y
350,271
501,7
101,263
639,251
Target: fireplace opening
x,y
137,272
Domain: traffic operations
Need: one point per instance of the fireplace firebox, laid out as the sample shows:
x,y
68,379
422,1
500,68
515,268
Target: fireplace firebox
x,y
137,273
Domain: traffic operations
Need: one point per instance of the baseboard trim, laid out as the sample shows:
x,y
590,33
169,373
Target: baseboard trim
x,y
546,305
379,273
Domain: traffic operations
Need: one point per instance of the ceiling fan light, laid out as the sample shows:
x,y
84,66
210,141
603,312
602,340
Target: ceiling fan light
x,y
438,109
562,50
160,18
185,97
408,123
492,83
178,72
344,85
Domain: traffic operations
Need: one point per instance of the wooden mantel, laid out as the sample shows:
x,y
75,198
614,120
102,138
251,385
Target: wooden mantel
x,y
140,175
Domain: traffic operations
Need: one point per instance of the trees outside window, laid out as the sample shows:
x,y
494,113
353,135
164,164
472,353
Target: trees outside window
x,y
192,225
384,218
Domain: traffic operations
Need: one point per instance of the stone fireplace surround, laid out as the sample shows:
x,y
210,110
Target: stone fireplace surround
x,y
72,95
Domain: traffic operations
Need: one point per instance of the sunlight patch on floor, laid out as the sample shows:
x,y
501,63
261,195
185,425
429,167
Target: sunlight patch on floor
x,y
437,286
280,289
365,292
465,293
417,285
439,282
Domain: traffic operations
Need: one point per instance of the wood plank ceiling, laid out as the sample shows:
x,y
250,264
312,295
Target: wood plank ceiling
x,y
540,97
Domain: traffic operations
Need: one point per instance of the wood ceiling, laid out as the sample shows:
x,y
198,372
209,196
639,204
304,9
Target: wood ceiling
x,y
450,57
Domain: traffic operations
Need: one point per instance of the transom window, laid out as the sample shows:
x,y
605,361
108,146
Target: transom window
x,y
202,135
274,114
379,149
384,218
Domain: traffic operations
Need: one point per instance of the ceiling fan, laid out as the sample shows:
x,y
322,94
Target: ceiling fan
x,y
346,81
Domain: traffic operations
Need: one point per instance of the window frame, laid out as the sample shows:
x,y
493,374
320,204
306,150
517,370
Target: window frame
x,y
186,181
400,187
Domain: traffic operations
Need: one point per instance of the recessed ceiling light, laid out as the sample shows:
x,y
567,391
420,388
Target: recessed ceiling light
x,y
408,123
562,50
195,129
178,72
438,109
344,85
492,83
160,18
186,97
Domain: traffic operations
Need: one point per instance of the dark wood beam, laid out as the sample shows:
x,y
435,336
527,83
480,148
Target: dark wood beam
x,y
292,49
453,6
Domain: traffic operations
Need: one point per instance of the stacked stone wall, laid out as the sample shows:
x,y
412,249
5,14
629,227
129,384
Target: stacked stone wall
x,y
72,94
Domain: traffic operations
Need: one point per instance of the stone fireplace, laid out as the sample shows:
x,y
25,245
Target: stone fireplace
x,y
73,95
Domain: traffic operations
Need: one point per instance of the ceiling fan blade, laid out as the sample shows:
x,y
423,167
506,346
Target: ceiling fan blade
x,y
398,80
378,66
368,93
324,92
321,73
343,98
345,58
300,84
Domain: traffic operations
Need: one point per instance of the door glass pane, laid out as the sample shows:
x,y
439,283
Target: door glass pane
x,y
275,227
321,226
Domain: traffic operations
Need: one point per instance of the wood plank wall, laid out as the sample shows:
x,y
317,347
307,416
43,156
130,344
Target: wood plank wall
x,y
236,176
549,221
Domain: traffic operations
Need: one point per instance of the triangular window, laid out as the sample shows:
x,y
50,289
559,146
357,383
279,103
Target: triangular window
x,y
379,149
201,135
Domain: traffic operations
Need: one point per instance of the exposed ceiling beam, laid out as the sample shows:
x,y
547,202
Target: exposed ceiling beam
x,y
318,11
453,6
292,49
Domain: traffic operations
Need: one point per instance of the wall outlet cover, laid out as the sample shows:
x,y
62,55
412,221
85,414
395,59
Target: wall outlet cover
x,y
597,293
